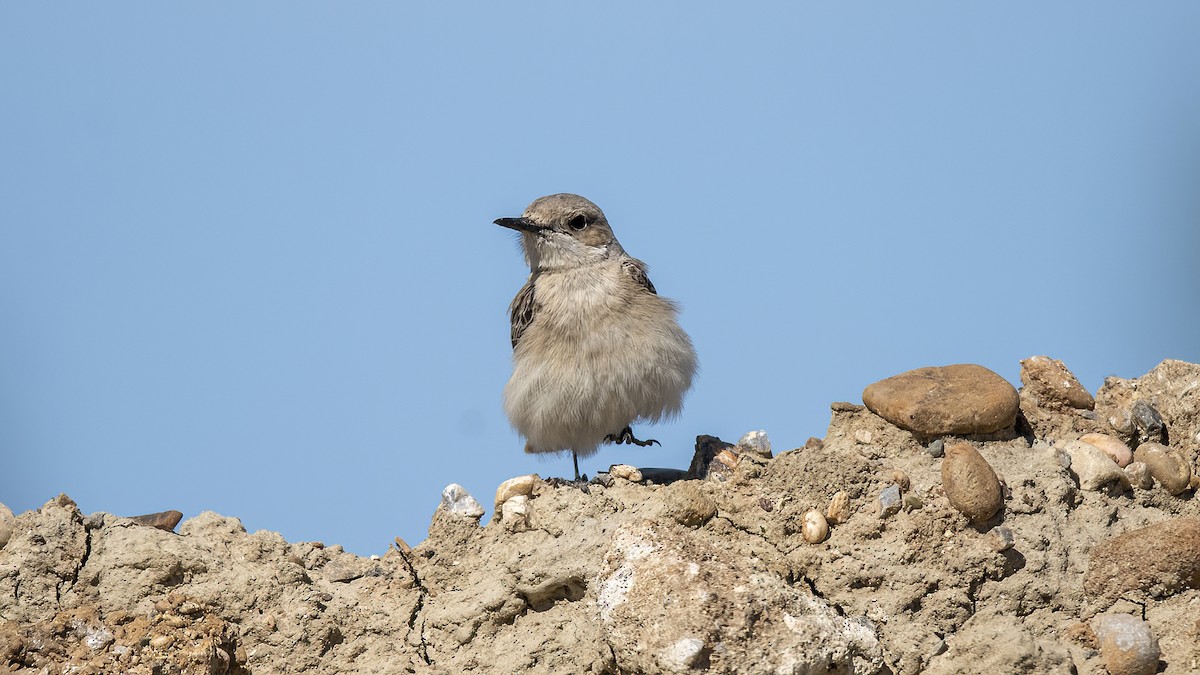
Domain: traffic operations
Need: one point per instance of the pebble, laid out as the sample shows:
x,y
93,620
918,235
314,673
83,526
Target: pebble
x,y
1111,446
814,527
626,471
458,501
889,501
1052,385
1001,539
970,483
521,485
1148,422
1095,470
839,508
941,400
1127,645
1159,559
163,520
1139,476
515,511
1169,469
682,655
756,442
6,524
900,478
936,449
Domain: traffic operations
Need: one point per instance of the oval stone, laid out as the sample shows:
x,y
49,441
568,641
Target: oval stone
x,y
1167,466
1127,644
1112,446
941,400
1159,559
970,483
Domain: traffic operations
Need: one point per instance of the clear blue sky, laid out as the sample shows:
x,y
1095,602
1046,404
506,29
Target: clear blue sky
x,y
247,260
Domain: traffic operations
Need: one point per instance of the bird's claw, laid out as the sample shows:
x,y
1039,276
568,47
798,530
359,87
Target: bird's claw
x,y
626,437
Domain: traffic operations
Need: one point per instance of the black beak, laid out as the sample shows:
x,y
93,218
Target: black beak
x,y
519,224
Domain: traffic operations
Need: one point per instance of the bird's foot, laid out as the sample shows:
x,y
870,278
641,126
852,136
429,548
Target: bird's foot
x,y
625,437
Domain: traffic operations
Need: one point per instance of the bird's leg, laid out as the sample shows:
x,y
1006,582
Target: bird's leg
x,y
575,460
626,437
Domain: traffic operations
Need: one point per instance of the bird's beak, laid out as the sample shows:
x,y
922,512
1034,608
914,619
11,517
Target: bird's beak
x,y
519,224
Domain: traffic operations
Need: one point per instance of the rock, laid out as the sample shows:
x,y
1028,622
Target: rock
x,y
1139,476
1159,560
1148,423
629,473
515,511
456,500
1001,539
814,527
521,485
937,401
1169,469
889,501
1127,644
1052,385
6,524
163,520
1112,446
970,483
669,600
756,442
839,508
686,504
1095,469
936,449
712,459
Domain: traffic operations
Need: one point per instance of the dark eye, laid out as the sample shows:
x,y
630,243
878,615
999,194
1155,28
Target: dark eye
x,y
577,222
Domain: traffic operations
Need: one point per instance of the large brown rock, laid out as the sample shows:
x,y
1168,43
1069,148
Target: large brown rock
x,y
935,401
1052,386
1158,560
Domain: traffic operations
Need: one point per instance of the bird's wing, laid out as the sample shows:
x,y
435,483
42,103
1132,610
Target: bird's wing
x,y
521,311
636,269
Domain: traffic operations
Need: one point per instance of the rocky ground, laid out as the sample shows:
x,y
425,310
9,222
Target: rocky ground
x,y
955,525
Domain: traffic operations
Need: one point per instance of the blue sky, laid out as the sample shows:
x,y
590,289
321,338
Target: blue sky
x,y
247,260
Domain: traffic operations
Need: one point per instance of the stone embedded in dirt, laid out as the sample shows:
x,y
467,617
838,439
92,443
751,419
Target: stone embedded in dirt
x,y
889,502
1095,469
839,508
970,483
163,520
937,401
714,459
1148,423
625,471
1168,467
515,511
458,501
1127,644
1139,476
1112,446
1158,560
814,527
1051,385
756,442
521,485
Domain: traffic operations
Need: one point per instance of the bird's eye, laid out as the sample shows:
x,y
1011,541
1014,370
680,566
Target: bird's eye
x,y
577,222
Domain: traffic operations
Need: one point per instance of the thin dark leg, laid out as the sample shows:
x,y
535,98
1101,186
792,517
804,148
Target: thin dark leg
x,y
575,459
626,437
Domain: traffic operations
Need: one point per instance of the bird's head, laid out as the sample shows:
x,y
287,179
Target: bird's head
x,y
563,231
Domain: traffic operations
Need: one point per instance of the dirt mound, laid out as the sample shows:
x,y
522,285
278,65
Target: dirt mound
x,y
725,571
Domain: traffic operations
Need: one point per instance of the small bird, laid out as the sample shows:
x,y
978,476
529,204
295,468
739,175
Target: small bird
x,y
595,348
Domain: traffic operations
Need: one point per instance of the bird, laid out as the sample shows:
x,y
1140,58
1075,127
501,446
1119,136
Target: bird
x,y
595,348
